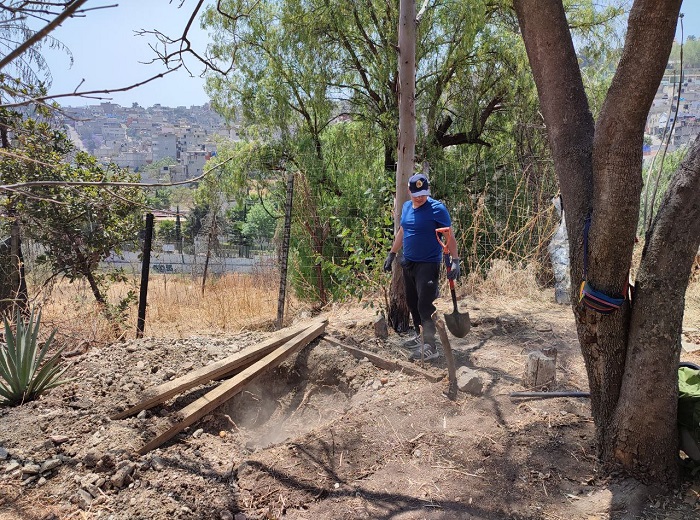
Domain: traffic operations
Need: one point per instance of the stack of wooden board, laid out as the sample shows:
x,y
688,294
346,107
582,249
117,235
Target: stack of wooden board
x,y
241,369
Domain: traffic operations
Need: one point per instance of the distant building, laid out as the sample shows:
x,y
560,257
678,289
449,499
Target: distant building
x,y
132,159
164,145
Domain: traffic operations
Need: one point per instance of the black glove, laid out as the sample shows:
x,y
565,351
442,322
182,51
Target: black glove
x,y
389,260
454,271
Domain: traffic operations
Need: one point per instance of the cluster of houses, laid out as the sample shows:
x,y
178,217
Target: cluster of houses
x,y
181,139
674,118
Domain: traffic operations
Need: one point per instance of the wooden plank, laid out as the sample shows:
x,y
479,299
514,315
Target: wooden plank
x,y
386,364
205,404
217,370
449,357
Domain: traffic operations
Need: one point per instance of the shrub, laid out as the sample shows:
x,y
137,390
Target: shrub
x,y
24,373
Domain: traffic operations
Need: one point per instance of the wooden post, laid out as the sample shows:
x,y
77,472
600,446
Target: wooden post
x,y
145,268
178,231
541,368
284,253
449,357
210,240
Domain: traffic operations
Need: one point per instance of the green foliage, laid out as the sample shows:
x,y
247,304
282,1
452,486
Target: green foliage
x,y
25,370
259,224
691,53
342,252
159,198
195,221
81,226
78,225
316,87
657,176
165,230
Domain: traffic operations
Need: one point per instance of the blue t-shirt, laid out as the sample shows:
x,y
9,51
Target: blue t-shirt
x,y
419,241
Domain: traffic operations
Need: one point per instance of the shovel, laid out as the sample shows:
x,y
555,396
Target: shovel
x,y
458,323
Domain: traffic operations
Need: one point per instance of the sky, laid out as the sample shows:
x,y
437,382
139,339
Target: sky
x,y
691,19
107,54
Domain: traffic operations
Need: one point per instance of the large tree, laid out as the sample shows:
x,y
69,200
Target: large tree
x,y
632,354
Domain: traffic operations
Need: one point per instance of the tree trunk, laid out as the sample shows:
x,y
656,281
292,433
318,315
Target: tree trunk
x,y
398,311
649,394
631,355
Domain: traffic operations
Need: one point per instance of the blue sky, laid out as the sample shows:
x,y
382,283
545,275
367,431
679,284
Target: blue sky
x,y
691,19
108,55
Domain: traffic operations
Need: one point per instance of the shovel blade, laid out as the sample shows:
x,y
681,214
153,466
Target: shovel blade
x,y
458,323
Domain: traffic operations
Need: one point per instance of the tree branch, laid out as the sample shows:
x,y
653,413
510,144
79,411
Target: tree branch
x,y
10,187
69,11
87,93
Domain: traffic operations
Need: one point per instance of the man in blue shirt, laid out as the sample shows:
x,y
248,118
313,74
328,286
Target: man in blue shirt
x,y
422,255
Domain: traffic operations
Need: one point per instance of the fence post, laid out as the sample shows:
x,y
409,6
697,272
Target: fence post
x,y
145,267
284,254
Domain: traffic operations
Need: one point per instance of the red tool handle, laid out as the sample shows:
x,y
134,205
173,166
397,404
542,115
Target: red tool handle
x,y
441,233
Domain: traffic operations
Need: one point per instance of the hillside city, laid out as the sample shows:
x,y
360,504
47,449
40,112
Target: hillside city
x,y
135,136
672,117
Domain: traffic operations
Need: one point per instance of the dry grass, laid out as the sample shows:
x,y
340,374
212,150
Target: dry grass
x,y
508,282
231,303
691,318
176,307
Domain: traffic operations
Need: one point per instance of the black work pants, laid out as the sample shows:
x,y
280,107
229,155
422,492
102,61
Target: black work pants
x,y
421,281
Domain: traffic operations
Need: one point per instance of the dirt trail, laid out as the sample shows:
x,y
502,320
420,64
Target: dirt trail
x,y
325,436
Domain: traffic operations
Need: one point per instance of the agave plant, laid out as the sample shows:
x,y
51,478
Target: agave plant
x,y
25,374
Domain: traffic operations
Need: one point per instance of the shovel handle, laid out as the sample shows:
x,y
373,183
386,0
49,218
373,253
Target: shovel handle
x,y
452,290
439,234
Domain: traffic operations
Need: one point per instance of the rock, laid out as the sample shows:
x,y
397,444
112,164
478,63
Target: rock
x,y
198,433
82,404
226,515
50,464
381,330
469,381
689,347
91,459
31,469
93,490
59,439
157,464
83,499
4,454
12,466
122,476
142,414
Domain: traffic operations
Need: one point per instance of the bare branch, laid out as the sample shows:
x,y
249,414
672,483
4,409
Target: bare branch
x,y
69,11
10,187
91,94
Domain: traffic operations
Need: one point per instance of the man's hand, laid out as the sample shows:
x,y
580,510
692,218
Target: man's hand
x,y
389,260
454,271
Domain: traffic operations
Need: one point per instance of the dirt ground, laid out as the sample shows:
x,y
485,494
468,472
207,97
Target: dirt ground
x,y
326,435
